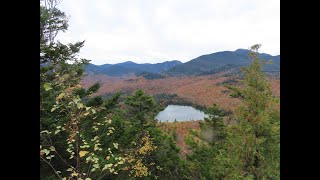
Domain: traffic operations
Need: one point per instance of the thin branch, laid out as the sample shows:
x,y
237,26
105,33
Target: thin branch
x,y
62,158
103,175
51,167
89,167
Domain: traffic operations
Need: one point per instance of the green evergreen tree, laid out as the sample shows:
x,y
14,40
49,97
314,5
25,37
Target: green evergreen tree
x,y
136,123
215,123
205,144
253,144
141,108
248,148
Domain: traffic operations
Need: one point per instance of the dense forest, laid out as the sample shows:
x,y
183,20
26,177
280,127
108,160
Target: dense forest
x,y
91,137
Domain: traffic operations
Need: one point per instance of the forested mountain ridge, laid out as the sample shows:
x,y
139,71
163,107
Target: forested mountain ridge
x,y
221,60
129,67
202,65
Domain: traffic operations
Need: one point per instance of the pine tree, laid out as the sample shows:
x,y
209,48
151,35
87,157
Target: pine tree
x,y
215,122
254,142
248,148
141,108
152,153
206,144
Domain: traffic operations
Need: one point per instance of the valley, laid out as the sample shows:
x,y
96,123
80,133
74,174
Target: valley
x,y
200,90
198,83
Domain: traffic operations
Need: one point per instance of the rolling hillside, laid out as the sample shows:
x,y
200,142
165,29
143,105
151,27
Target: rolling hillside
x,y
129,68
200,90
202,65
221,61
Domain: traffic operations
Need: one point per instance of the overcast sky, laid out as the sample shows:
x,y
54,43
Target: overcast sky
x,y
159,30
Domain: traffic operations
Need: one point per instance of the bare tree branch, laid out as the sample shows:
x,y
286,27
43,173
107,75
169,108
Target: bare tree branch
x,y
55,171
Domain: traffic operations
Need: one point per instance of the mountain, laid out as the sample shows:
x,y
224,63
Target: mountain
x,y
129,68
202,65
215,62
150,75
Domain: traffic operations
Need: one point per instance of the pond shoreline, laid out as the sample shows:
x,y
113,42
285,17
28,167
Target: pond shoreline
x,y
179,113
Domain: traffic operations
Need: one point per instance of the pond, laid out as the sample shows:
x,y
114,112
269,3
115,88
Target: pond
x,y
180,113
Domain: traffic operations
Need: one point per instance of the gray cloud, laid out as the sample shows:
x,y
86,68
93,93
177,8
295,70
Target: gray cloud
x,y
155,31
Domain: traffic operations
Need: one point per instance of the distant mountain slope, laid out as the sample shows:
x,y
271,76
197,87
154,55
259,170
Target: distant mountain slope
x,y
202,65
150,75
207,64
129,68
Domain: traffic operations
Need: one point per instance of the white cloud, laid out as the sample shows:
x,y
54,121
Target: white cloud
x,y
156,31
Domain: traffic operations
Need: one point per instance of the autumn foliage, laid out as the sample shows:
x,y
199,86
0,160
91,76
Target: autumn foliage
x,y
201,90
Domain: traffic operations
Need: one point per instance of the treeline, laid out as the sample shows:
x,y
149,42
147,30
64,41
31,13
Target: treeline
x,y
164,100
150,75
233,68
85,137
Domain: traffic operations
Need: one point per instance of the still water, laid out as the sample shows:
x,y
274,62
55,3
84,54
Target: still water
x,y
180,113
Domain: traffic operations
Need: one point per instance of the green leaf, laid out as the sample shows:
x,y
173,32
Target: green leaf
x,y
46,151
52,148
70,169
47,86
95,128
74,174
106,166
96,166
96,147
79,105
111,170
76,100
88,158
121,162
45,131
115,145
61,96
